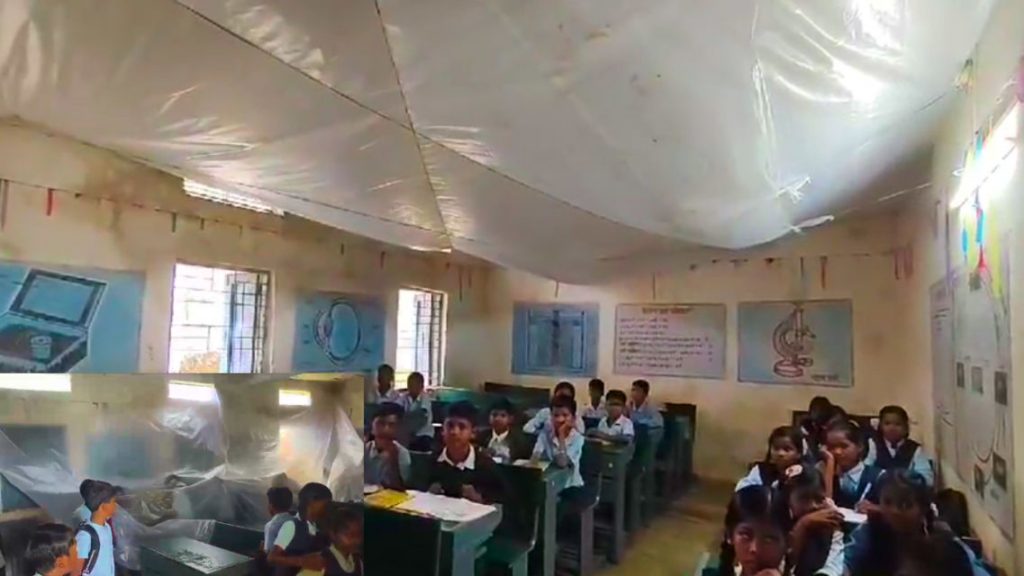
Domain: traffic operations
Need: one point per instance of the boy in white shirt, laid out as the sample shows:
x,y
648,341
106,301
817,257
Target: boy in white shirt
x,y
542,419
95,538
418,414
615,427
595,408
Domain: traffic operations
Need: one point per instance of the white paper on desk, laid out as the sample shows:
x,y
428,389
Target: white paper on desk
x,y
541,464
851,517
445,508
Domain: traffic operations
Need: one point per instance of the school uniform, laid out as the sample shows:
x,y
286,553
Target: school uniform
x,y
858,553
271,529
477,470
621,428
549,449
646,414
823,555
907,455
423,437
375,397
757,477
100,563
590,411
506,447
542,420
379,471
298,537
338,564
856,485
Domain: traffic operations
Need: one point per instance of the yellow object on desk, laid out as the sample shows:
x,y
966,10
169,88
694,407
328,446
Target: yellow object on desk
x,y
387,498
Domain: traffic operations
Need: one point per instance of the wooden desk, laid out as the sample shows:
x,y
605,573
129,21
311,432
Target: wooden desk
x,y
615,464
185,556
542,559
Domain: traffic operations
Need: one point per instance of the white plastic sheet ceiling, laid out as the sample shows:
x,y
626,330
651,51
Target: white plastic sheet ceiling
x,y
571,138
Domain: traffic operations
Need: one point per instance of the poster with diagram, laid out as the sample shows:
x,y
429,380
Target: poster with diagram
x,y
69,319
808,342
335,332
943,372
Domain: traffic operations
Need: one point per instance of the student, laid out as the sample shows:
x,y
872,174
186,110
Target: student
x,y
891,448
856,484
502,442
543,416
785,446
417,409
344,526
755,541
460,470
52,551
384,391
386,462
903,521
594,408
561,444
95,538
279,504
615,426
819,412
640,410
299,544
815,533
82,513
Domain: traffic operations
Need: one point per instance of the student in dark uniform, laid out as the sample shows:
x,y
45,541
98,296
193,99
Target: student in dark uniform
x,y
890,447
344,525
299,541
502,442
461,470
856,483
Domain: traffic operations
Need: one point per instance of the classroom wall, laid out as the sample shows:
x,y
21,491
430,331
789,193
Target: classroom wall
x,y
110,212
734,418
996,62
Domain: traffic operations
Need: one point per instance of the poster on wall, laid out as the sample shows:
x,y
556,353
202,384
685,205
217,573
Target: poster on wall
x,y
336,332
808,342
983,374
943,380
683,340
555,339
68,319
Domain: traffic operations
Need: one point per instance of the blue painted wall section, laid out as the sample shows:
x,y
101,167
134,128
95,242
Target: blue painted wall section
x,y
338,332
63,319
555,339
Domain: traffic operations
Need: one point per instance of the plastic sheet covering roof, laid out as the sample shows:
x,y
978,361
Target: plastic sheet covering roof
x,y
185,464
571,138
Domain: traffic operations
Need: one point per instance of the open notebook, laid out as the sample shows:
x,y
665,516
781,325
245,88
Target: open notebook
x,y
444,508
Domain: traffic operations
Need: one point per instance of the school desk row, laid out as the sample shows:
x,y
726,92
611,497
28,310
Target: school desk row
x,y
532,528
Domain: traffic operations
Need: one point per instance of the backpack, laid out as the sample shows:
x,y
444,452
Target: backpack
x,y
94,545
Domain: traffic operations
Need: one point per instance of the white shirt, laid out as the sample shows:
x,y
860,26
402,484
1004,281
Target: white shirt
x,y
347,563
542,419
499,446
468,464
623,427
919,463
590,412
273,527
287,533
751,479
835,564
419,404
105,561
376,397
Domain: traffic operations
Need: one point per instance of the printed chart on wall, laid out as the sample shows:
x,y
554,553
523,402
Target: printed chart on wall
x,y
944,389
983,377
338,332
62,319
670,340
802,342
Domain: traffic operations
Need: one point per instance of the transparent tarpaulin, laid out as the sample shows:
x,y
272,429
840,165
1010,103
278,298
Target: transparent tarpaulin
x,y
185,463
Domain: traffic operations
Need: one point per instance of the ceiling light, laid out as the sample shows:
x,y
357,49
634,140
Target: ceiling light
x,y
204,192
36,382
294,398
192,392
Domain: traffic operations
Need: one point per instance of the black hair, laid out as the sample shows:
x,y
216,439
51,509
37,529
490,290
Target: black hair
x,y
643,385
564,402
911,486
502,405
385,368
616,395
341,515
750,504
386,409
851,430
900,413
937,555
280,498
795,435
83,488
819,404
596,384
99,493
885,544
563,385
809,479
312,492
48,543
953,511
415,376
463,409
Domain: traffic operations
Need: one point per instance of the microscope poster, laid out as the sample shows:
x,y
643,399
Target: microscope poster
x,y
681,340
65,319
338,332
804,342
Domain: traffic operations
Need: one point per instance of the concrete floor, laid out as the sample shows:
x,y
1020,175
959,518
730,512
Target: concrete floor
x,y
676,540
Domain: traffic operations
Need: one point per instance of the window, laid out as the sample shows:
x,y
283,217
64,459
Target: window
x,y
421,326
218,322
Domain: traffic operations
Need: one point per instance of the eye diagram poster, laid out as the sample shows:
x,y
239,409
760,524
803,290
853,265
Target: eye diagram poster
x,y
338,332
681,340
804,342
69,319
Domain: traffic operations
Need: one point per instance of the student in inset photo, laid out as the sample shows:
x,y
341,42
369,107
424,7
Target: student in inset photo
x,y
299,542
384,391
279,504
52,551
344,525
82,513
95,541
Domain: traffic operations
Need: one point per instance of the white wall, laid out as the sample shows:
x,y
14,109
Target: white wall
x,y
734,418
109,218
996,60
